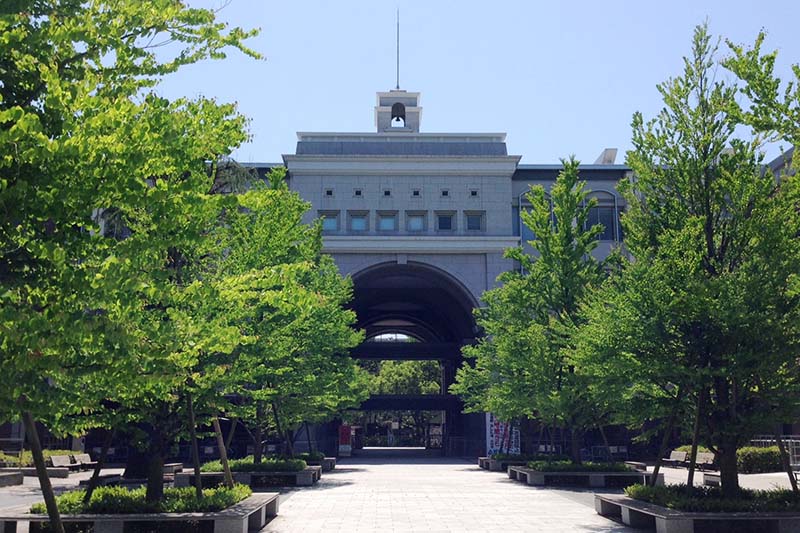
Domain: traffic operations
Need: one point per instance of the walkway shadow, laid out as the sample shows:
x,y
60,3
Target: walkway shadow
x,y
340,470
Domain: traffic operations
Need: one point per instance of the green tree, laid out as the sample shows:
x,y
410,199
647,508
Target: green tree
x,y
704,315
524,367
82,132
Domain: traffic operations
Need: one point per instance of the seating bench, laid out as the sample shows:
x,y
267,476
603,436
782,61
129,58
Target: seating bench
x,y
591,479
173,468
85,461
64,461
248,515
676,458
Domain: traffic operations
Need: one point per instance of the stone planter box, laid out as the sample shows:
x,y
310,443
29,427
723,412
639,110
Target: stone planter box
x,y
327,463
581,479
645,515
249,514
483,462
52,471
303,478
8,479
501,465
103,480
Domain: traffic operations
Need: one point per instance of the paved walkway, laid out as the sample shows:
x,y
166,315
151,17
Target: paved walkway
x,y
432,495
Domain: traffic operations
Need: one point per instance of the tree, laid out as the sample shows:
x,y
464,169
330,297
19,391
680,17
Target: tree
x,y
525,365
81,132
704,315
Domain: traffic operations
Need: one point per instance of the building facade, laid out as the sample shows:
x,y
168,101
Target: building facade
x,y
420,221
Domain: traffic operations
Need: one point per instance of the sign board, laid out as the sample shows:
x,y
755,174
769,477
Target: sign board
x,y
500,436
345,440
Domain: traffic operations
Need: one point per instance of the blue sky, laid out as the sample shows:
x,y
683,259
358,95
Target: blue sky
x,y
559,77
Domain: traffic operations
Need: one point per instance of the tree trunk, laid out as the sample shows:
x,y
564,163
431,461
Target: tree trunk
x,y
281,432
198,479
223,454
41,472
695,436
785,461
665,440
553,438
728,469
575,444
231,433
308,437
155,475
257,436
101,461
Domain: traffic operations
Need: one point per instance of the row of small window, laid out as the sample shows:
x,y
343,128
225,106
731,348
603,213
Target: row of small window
x,y
606,216
415,193
415,221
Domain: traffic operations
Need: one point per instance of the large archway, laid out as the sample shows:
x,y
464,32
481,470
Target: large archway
x,y
420,303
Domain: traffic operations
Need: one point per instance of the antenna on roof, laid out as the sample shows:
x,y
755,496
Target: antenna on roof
x,y
397,86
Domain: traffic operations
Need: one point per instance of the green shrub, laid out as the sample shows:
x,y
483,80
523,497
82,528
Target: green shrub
x,y
26,457
119,500
752,460
688,449
566,466
311,456
246,464
709,499
9,460
528,457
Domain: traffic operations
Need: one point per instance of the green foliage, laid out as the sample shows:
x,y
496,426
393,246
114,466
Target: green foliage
x,y
311,457
405,377
246,464
568,466
688,448
524,366
26,457
753,460
121,500
711,500
704,314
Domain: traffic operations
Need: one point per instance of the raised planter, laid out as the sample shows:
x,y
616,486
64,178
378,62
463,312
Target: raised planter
x,y
10,478
483,462
249,514
501,465
641,467
30,471
103,480
712,479
645,515
303,478
581,479
327,463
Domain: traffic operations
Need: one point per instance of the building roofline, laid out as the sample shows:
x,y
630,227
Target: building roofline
x,y
559,166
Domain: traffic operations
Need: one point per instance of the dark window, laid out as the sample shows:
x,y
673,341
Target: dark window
x,y
445,192
604,216
416,192
445,222
328,192
357,192
474,222
473,192
387,192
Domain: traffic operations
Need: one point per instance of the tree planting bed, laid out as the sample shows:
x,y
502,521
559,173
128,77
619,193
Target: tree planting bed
x,y
580,479
10,478
644,515
302,478
250,514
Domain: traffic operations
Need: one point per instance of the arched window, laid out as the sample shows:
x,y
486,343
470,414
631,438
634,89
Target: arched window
x,y
398,115
606,212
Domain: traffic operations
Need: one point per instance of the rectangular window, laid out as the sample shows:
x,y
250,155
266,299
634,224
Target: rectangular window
x,y
330,221
416,193
357,193
444,222
474,221
605,216
415,222
387,222
445,193
473,193
329,192
358,221
387,192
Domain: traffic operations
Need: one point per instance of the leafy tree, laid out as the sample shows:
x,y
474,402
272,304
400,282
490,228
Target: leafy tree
x,y
525,365
81,132
705,314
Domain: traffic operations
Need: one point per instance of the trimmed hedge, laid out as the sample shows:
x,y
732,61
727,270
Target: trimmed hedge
x,y
119,500
26,457
312,456
247,465
567,466
688,449
753,460
709,499
527,457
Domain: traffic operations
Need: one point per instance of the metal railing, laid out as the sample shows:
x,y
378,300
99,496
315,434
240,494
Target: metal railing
x,y
791,442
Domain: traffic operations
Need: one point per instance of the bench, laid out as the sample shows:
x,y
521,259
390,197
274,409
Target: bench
x,y
85,461
712,479
249,514
641,467
590,479
676,458
173,468
704,460
10,478
64,461
103,479
645,515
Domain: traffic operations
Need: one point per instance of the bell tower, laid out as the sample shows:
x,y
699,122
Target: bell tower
x,y
397,111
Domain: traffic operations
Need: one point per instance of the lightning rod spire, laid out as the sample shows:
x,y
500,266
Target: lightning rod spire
x,y
397,85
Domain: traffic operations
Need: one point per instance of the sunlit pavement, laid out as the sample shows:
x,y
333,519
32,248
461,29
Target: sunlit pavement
x,y
407,494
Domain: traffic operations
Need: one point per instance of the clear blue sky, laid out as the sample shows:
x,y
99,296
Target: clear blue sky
x,y
558,77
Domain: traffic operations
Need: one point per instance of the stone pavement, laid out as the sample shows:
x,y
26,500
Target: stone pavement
x,y
432,495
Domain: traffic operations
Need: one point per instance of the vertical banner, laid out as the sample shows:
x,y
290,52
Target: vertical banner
x,y
345,440
500,436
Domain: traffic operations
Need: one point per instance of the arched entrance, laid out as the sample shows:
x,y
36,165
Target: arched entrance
x,y
417,312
